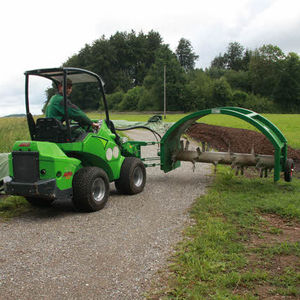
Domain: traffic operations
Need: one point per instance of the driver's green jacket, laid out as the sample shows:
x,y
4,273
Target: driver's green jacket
x,y
55,109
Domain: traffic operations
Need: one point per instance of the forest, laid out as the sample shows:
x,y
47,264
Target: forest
x,y
132,65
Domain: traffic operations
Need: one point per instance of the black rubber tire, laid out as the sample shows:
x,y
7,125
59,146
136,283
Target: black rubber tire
x,y
38,202
90,189
132,177
288,170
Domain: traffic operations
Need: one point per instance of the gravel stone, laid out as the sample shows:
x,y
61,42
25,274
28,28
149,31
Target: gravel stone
x,y
58,253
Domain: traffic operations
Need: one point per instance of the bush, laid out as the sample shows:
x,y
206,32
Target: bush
x,y
222,93
113,100
239,98
146,101
239,80
131,99
260,104
198,92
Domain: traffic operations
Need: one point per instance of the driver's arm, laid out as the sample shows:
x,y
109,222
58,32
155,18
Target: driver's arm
x,y
76,114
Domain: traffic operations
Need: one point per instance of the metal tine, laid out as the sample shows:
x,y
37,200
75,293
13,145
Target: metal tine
x,y
215,169
186,145
203,146
181,144
242,170
194,166
236,171
266,172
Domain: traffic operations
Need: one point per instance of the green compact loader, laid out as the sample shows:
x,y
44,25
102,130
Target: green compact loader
x,y
54,165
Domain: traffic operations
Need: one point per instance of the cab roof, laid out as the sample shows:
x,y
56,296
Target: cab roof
x,y
77,75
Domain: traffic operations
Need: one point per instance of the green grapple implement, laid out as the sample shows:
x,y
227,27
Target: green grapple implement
x,y
54,165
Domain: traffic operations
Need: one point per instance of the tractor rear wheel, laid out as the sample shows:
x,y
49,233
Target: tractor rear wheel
x,y
90,189
132,177
288,170
38,202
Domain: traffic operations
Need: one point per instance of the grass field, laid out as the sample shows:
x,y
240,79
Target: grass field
x,y
12,129
245,241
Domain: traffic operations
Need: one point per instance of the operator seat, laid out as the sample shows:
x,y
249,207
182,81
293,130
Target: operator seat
x,y
50,130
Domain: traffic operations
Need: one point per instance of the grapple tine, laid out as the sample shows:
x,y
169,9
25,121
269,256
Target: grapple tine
x,y
266,172
187,143
236,171
181,144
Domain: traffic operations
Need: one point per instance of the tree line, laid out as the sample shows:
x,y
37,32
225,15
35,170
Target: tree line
x,y
132,67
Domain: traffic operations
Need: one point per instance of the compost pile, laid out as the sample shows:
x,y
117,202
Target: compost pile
x,y
236,140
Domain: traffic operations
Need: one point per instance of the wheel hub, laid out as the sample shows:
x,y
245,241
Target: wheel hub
x,y
98,189
138,177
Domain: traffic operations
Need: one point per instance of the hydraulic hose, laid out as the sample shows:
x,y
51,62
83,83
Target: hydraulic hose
x,y
141,127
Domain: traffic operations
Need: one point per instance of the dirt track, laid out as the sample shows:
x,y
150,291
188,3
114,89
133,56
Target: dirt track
x,y
57,253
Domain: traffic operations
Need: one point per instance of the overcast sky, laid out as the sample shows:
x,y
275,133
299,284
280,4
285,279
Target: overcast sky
x,y
43,34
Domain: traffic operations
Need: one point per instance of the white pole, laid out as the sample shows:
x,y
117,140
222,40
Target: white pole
x,y
165,94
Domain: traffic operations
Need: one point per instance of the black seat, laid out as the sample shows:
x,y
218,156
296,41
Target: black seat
x,y
50,130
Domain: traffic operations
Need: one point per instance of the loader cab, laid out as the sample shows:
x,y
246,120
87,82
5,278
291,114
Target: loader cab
x,y
51,129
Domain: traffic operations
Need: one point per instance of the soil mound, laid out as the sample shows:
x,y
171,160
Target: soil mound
x,y
236,140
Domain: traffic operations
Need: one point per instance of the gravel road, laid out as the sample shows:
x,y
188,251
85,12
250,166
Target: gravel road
x,y
58,253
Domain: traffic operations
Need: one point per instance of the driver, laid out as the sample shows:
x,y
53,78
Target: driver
x,y
55,108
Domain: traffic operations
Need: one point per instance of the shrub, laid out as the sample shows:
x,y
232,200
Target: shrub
x,y
260,104
239,98
113,100
131,99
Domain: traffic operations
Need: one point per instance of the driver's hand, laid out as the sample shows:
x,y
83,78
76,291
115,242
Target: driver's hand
x,y
96,126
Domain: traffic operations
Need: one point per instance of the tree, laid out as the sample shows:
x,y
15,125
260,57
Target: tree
x,y
221,94
123,62
265,69
219,62
198,91
234,56
185,55
175,80
238,80
287,92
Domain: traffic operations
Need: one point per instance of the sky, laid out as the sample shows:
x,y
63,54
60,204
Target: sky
x,y
44,34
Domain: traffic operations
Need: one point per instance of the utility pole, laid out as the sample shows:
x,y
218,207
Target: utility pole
x,y
165,94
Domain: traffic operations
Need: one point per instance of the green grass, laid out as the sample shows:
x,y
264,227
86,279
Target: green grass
x,y
12,129
13,206
213,261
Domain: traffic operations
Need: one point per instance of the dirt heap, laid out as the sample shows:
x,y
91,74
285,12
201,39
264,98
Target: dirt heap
x,y
236,140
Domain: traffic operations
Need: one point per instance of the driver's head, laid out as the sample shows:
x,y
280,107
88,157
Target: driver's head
x,y
69,87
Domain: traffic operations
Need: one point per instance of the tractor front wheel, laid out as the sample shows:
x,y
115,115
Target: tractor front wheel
x,y
132,177
288,170
90,189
